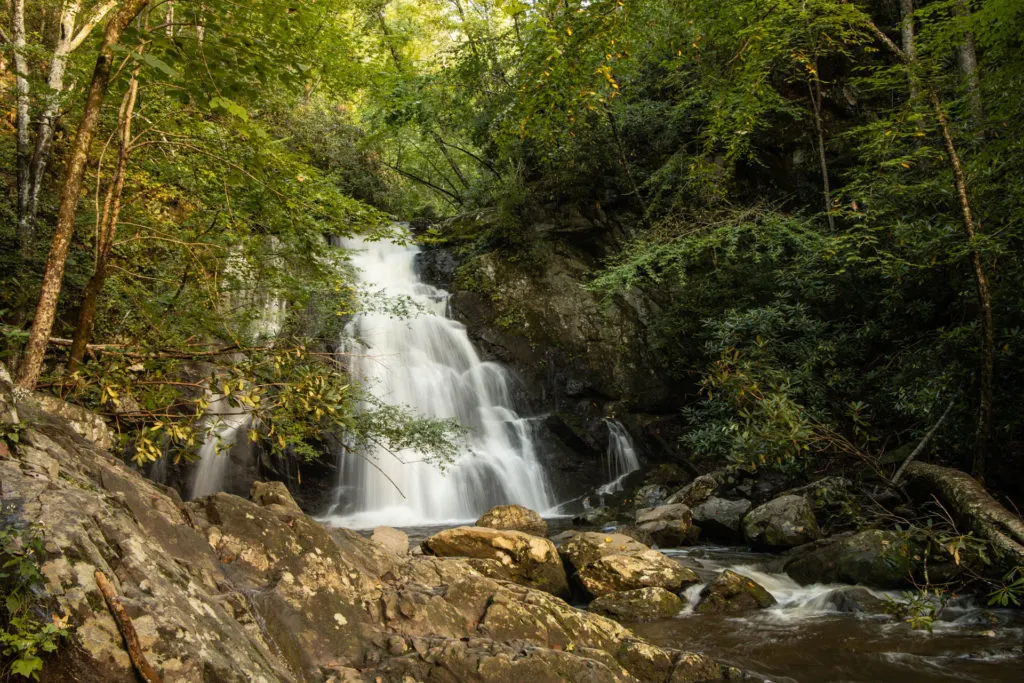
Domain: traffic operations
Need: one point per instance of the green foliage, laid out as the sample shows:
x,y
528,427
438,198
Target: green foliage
x,y
27,633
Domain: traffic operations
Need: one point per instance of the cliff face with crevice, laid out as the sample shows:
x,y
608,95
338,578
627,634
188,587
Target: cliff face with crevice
x,y
225,589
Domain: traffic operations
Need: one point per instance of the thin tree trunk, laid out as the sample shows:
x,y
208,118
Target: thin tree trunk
x,y
988,343
968,57
46,310
107,231
814,88
909,48
22,122
68,40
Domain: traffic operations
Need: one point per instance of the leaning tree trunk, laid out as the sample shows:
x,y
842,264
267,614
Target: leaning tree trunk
x,y
107,230
971,506
46,311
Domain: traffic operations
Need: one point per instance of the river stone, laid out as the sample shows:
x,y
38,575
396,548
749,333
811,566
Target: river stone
x,y
607,563
785,522
668,526
697,491
267,493
731,592
525,559
644,604
392,540
693,668
873,558
857,600
721,519
514,518
650,495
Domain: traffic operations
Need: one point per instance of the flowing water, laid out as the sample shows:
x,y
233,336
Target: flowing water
x,y
426,362
808,638
620,459
225,423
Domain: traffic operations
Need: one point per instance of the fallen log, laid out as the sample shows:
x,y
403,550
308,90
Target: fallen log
x,y
972,506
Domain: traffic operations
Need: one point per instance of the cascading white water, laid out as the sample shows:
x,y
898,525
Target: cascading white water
x,y
227,423
428,364
620,459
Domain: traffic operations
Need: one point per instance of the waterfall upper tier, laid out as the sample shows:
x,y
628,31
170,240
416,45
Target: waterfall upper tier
x,y
427,362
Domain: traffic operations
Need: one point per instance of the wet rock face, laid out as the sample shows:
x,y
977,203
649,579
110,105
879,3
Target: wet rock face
x,y
668,526
731,592
525,559
644,604
514,518
608,563
873,558
785,522
721,519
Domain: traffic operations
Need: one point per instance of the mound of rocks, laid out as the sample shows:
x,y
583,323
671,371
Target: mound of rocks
x,y
643,604
514,518
608,563
785,522
509,555
731,592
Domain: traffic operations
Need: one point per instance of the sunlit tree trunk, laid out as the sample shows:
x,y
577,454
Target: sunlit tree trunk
x,y
22,121
106,230
46,310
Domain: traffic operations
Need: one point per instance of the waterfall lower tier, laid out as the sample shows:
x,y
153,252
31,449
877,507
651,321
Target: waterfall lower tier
x,y
620,459
225,422
428,364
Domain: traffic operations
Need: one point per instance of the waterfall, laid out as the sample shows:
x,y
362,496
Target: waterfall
x,y
620,457
225,423
426,362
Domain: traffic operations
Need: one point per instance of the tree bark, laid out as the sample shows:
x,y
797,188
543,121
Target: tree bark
x,y
46,310
968,57
107,231
909,48
814,87
68,40
972,507
22,121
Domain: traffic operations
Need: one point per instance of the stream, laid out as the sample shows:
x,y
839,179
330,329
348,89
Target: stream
x,y
807,638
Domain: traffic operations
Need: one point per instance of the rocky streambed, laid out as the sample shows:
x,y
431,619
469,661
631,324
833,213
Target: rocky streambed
x,y
229,589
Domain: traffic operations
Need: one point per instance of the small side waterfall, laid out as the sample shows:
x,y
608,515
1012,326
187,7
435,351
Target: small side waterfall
x,y
428,364
620,458
227,423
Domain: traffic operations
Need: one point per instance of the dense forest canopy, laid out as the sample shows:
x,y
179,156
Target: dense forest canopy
x,y
823,204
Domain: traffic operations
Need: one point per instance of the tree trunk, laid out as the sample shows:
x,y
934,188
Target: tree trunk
x,y
814,87
107,231
968,58
46,310
988,349
909,48
68,40
22,122
988,343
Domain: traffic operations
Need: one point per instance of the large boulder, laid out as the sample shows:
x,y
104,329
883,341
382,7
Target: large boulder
x,y
522,558
393,540
785,522
267,493
514,518
731,592
607,563
721,519
644,604
667,526
697,491
874,558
